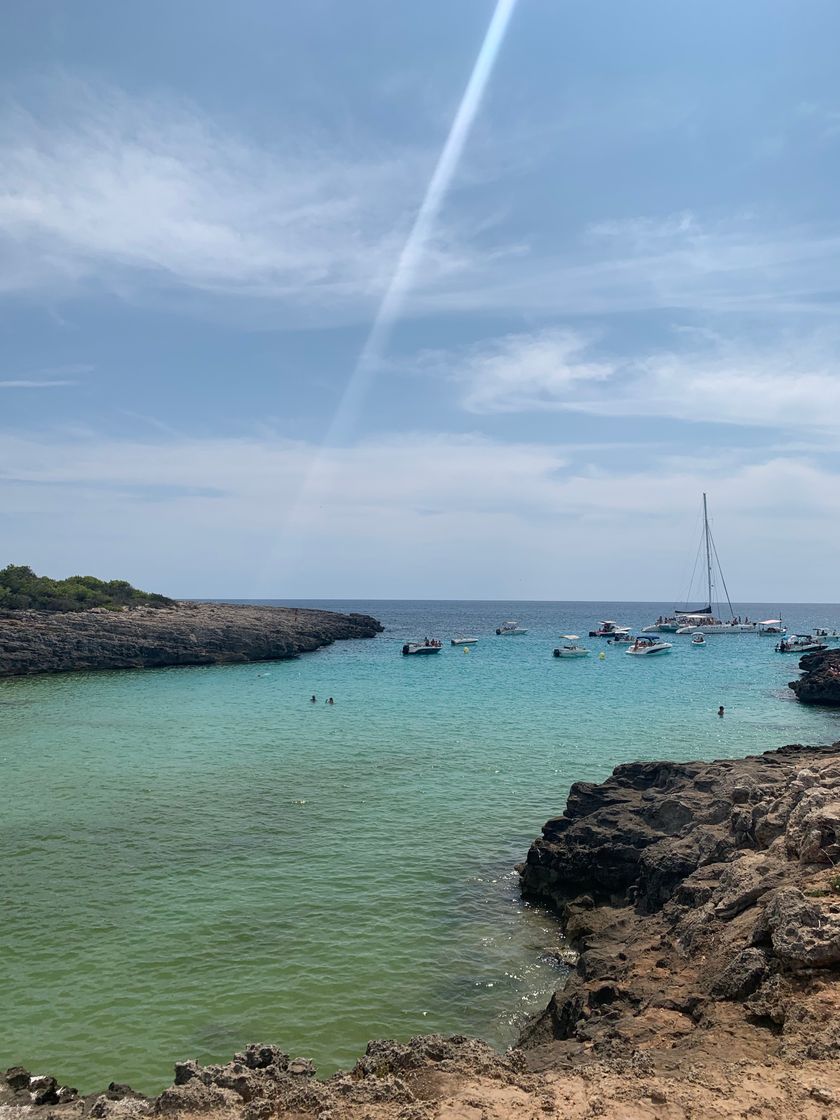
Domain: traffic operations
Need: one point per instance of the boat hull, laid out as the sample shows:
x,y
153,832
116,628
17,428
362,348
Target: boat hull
x,y
409,650
571,653
463,641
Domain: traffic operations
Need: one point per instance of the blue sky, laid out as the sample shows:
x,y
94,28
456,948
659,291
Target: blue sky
x,y
623,292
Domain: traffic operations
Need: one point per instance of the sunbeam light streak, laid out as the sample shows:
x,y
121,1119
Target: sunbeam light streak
x,y
392,303
322,473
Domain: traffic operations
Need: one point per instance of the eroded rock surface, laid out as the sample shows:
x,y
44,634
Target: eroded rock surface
x,y
186,634
704,901
820,680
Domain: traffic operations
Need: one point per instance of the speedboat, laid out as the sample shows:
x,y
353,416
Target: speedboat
x,y
773,626
647,646
828,635
511,628
800,643
608,629
430,645
620,639
463,641
698,639
669,625
570,648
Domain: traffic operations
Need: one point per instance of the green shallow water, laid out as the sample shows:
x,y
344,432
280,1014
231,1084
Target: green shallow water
x,y
198,858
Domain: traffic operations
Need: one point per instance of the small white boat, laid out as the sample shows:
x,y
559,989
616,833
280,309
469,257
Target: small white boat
x,y
621,639
570,648
411,649
825,634
463,641
608,629
647,646
698,639
511,628
773,626
669,625
800,643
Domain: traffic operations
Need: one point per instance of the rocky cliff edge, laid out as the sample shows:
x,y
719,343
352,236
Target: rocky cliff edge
x,y
154,637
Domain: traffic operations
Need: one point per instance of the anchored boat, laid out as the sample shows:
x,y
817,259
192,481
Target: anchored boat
x,y
800,643
647,646
609,629
463,641
570,648
511,628
412,649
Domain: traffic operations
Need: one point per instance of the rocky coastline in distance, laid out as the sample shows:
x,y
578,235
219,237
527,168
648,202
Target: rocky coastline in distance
x,y
700,904
820,680
155,637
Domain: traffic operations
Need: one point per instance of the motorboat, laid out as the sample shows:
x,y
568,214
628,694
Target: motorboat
x,y
824,632
429,645
620,639
773,626
570,648
463,641
511,628
800,643
698,639
608,629
664,625
647,646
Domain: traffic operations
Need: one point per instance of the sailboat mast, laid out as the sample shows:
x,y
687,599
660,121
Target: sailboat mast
x,y
708,553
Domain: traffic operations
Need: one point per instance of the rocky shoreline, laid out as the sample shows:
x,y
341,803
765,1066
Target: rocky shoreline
x,y
820,680
700,903
187,633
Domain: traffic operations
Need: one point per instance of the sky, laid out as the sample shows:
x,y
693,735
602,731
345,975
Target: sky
x,y
444,300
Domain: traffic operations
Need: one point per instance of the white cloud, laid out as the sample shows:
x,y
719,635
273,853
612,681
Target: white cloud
x,y
788,382
523,372
29,384
420,514
117,190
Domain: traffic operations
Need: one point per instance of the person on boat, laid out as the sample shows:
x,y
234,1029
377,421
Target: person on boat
x,y
720,711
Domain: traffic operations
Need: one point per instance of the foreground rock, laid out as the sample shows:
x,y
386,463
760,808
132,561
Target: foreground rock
x,y
704,902
820,682
186,634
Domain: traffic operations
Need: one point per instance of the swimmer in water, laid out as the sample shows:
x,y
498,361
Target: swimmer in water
x,y
331,701
313,699
720,711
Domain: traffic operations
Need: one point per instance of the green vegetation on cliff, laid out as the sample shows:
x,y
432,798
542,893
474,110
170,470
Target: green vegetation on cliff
x,y
21,589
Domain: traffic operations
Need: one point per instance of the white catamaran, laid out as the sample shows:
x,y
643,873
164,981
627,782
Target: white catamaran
x,y
703,620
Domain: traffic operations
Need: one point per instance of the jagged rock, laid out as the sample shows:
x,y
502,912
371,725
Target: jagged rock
x,y
260,1055
186,634
195,1096
696,871
44,1090
804,933
820,682
741,976
18,1078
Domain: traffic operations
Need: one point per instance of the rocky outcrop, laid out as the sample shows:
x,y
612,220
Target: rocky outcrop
x,y
186,634
820,682
704,902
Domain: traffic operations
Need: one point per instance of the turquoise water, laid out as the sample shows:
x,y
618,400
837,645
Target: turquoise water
x,y
198,858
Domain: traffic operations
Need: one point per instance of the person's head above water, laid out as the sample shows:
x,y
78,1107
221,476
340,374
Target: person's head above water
x,y
720,710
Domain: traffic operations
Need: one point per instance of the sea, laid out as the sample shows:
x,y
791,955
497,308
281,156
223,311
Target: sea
x,y
198,858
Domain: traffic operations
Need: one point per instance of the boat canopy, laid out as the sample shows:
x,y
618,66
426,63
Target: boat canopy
x,y
570,637
770,622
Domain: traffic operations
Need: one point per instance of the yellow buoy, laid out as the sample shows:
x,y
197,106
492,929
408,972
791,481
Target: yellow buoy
x,y
466,649
602,656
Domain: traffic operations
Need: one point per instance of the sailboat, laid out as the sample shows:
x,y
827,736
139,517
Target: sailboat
x,y
702,619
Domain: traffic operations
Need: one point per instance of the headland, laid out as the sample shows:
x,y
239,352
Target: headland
x,y
154,637
700,904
